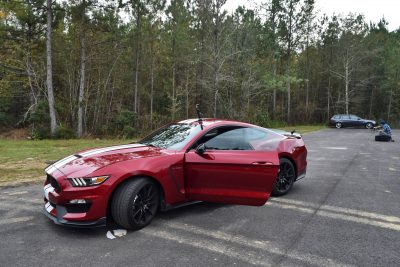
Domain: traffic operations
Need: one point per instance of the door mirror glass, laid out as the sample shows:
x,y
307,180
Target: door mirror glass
x,y
201,149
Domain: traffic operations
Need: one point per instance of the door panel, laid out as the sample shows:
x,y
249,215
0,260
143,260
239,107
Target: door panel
x,y
346,121
236,177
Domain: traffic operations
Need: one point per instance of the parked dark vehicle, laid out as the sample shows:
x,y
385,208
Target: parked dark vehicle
x,y
348,120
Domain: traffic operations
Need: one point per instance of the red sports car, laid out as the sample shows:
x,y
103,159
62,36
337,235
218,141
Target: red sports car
x,y
193,160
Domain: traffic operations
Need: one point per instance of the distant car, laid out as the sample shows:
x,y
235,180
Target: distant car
x,y
348,120
192,160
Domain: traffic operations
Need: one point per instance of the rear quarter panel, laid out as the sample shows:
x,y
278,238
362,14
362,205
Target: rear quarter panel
x,y
295,150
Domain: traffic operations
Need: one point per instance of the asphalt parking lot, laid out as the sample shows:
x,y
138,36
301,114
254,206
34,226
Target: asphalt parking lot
x,y
346,212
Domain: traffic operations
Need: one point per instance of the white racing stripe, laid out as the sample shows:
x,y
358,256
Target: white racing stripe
x,y
92,152
107,149
59,164
47,189
49,208
253,243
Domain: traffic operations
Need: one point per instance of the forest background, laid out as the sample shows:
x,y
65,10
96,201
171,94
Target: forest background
x,y
121,68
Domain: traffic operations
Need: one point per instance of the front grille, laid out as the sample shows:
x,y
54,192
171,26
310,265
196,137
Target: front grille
x,y
54,183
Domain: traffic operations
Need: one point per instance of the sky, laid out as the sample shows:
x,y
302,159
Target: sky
x,y
373,10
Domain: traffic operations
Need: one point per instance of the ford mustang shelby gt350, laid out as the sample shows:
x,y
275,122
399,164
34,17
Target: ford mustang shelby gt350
x,y
193,160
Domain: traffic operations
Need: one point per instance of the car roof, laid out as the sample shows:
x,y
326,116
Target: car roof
x,y
211,122
207,122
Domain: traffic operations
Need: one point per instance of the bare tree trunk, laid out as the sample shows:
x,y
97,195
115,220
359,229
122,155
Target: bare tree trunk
x,y
390,104
288,101
137,62
33,96
50,91
79,131
329,93
307,96
216,34
347,87
173,91
274,94
371,102
187,94
151,92
215,102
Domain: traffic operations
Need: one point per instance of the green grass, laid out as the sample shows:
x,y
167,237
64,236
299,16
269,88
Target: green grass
x,y
24,160
303,129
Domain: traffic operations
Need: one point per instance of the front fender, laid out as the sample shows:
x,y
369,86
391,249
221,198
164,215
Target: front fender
x,y
166,170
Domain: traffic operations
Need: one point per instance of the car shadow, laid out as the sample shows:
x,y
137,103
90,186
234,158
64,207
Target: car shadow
x,y
197,208
72,232
95,232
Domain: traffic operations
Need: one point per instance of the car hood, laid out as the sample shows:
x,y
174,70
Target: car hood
x,y
85,162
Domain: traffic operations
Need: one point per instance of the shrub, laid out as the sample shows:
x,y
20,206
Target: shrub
x,y
128,131
64,132
263,119
40,133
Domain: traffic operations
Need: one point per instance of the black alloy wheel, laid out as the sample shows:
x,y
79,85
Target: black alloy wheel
x,y
285,178
369,125
338,125
135,203
143,205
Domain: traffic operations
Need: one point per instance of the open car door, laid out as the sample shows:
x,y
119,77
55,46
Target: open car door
x,y
234,177
225,168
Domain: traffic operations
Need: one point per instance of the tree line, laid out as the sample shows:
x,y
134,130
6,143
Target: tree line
x,y
98,67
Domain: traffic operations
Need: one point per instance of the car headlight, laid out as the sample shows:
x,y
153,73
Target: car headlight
x,y
88,181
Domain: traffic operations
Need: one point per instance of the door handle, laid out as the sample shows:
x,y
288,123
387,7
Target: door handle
x,y
262,163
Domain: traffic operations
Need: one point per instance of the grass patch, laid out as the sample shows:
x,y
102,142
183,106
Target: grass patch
x,y
303,129
24,160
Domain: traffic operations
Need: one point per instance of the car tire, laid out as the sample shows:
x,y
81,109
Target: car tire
x,y
285,179
135,203
369,125
338,125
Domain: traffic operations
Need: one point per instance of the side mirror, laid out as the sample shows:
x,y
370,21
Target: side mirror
x,y
201,149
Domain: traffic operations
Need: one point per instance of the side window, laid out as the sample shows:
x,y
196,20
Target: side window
x,y
230,138
353,117
233,139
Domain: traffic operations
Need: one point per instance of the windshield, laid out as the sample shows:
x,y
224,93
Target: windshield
x,y
173,136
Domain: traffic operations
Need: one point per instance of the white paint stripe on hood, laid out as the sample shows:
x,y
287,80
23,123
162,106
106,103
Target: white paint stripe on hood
x,y
92,152
107,149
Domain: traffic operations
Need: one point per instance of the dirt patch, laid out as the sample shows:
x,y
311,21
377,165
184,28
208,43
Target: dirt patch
x,y
16,134
26,164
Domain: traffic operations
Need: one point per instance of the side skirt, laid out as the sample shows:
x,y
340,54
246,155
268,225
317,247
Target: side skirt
x,y
177,206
